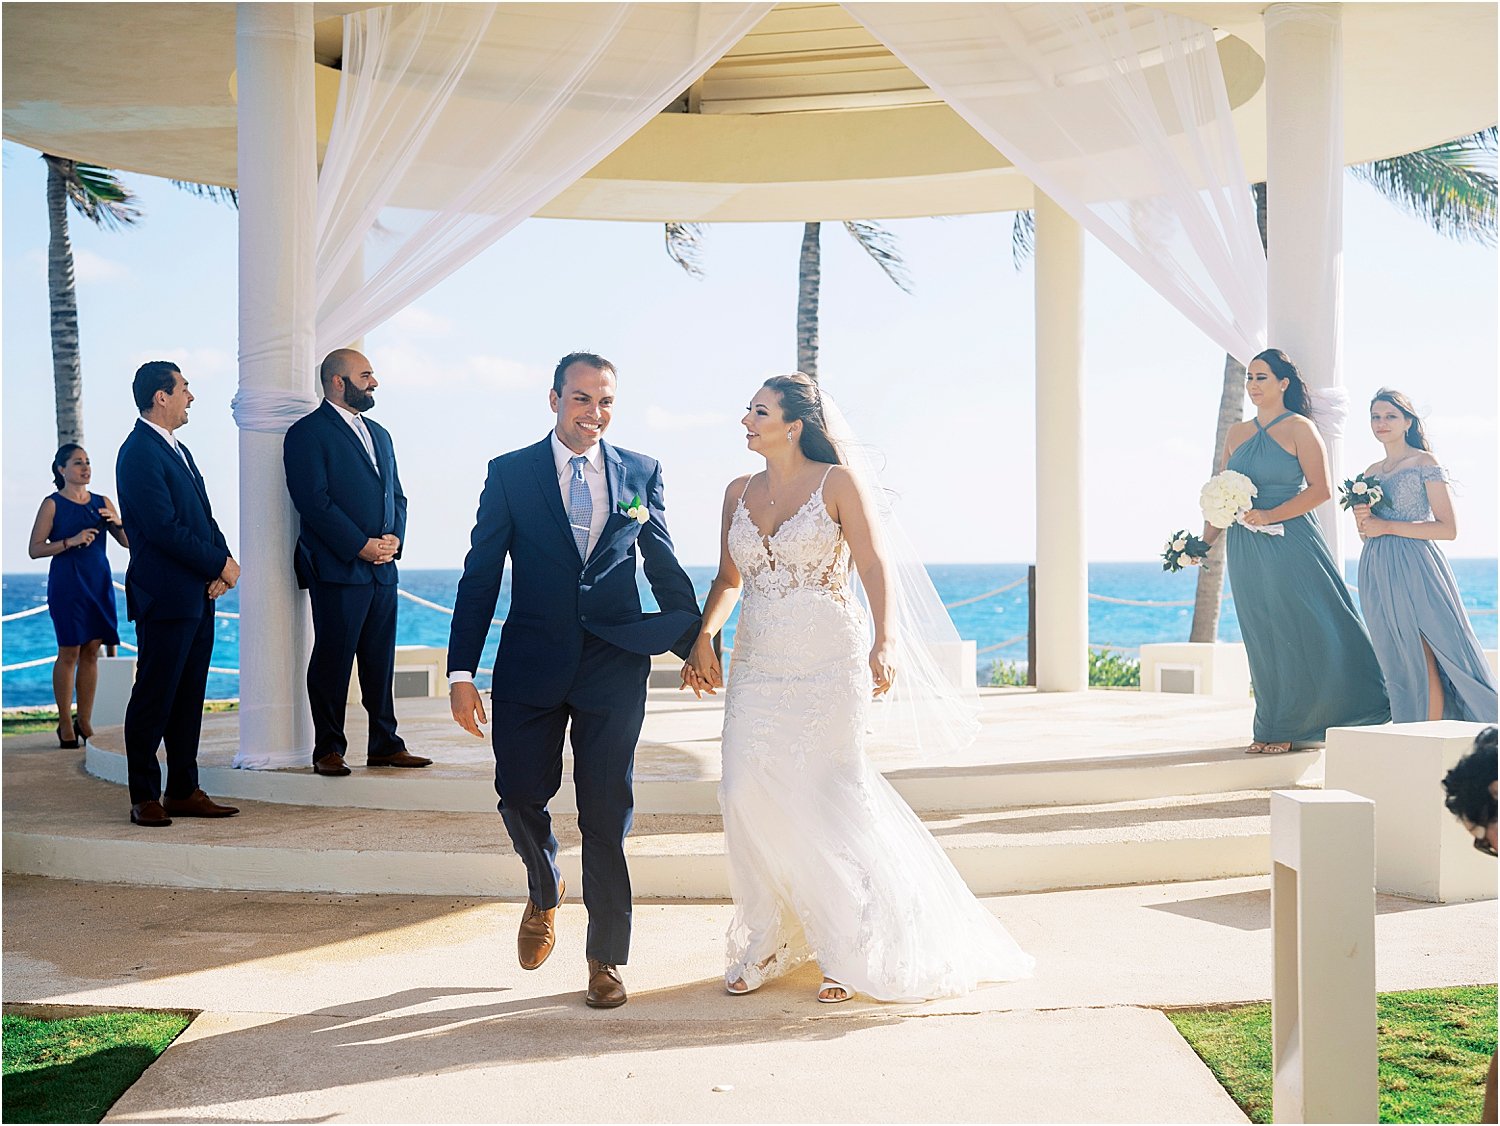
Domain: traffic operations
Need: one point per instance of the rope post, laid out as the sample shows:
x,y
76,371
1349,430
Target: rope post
x,y
1031,626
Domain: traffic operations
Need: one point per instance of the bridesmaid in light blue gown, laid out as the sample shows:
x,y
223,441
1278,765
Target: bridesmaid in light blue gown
x,y
1434,665
1311,662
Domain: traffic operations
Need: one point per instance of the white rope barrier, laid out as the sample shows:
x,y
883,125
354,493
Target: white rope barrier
x,y
435,606
982,597
42,609
1006,644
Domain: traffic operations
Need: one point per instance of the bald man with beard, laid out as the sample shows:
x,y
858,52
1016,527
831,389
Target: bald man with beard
x,y
341,473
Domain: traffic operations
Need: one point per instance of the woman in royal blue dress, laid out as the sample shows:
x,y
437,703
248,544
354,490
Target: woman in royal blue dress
x,y
80,591
1434,666
1311,662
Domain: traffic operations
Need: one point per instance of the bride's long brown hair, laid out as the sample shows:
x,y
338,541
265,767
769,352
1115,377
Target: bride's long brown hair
x,y
802,402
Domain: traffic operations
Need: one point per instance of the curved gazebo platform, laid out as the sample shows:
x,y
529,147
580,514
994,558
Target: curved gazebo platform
x,y
1059,791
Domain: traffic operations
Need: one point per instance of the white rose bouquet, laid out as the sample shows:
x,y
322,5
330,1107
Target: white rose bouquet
x,y
1363,489
1225,496
1225,500
1182,545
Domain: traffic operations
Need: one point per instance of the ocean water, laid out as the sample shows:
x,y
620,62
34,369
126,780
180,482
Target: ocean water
x,y
990,622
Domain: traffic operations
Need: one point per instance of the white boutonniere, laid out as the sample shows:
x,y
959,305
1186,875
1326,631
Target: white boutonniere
x,y
636,510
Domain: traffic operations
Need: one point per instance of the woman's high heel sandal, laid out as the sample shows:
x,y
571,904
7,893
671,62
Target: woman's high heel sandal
x,y
67,744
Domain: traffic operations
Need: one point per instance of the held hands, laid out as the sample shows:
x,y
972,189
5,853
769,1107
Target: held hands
x,y
701,671
882,671
382,550
1369,526
226,580
467,707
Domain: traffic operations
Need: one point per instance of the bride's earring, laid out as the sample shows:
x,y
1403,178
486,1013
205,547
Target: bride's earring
x,y
790,434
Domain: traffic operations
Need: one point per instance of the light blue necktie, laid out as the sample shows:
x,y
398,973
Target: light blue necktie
x,y
580,506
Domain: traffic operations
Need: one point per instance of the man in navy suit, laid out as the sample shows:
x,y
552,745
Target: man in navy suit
x,y
341,472
572,513
179,563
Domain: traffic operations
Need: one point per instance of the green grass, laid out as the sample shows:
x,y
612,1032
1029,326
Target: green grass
x,y
27,721
1435,1047
1107,669
72,1070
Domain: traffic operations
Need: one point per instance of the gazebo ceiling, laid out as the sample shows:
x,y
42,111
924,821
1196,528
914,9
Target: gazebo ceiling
x,y
807,117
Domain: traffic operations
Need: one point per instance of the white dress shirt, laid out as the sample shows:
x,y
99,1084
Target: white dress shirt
x,y
171,441
361,431
593,476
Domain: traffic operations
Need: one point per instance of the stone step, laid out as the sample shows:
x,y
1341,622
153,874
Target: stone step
x,y
469,787
59,821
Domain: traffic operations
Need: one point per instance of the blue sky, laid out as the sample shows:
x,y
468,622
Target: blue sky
x,y
940,381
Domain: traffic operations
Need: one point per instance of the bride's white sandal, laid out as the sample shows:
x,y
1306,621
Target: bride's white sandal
x,y
839,991
753,977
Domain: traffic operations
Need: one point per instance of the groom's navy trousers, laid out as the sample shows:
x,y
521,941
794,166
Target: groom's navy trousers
x,y
575,650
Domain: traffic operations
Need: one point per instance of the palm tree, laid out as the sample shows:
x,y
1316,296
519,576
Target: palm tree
x,y
1452,188
100,198
685,243
98,195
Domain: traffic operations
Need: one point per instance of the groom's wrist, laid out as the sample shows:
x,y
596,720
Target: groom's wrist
x,y
460,678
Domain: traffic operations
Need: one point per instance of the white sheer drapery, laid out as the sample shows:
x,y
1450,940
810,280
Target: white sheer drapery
x,y
1122,117
457,121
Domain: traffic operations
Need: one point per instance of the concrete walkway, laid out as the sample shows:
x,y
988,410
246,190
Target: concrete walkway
x,y
412,1008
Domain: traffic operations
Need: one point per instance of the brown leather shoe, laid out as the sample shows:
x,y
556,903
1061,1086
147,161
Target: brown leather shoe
x,y
197,804
538,933
606,990
331,766
150,814
400,758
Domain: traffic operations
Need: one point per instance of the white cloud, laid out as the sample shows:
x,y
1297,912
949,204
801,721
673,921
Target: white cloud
x,y
659,418
416,366
501,374
199,365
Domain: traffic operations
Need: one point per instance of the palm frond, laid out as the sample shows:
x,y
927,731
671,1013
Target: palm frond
x,y
211,192
1451,187
97,194
1022,238
685,246
880,244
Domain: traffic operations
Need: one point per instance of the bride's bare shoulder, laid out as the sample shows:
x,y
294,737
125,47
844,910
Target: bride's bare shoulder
x,y
736,489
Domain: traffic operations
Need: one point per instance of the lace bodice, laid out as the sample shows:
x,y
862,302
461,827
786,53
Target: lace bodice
x,y
808,552
1406,493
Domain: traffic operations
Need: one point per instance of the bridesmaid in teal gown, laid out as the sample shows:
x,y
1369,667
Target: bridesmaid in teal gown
x,y
1434,666
1311,663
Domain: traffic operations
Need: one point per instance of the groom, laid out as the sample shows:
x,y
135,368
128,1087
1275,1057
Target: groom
x,y
572,513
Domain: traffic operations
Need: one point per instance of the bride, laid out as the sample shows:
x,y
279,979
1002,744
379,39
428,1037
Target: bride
x,y
825,859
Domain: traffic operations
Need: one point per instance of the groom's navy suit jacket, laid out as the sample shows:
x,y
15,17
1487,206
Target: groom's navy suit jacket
x,y
342,500
557,598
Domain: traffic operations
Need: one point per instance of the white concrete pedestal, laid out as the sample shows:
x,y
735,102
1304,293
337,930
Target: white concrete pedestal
x,y
1323,950
1420,849
1198,668
116,679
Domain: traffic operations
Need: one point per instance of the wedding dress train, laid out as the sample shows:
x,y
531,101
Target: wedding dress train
x,y
825,859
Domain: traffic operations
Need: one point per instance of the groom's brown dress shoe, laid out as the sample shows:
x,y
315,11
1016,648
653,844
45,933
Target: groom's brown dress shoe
x,y
331,766
149,814
400,758
538,932
197,804
606,990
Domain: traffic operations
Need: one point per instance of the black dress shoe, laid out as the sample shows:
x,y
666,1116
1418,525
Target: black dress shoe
x,y
331,766
67,744
149,814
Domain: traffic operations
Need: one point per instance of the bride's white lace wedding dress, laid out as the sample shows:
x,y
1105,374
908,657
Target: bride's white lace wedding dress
x,y
825,859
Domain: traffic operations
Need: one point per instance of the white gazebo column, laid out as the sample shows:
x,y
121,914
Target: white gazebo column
x,y
1305,203
1062,617
277,197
